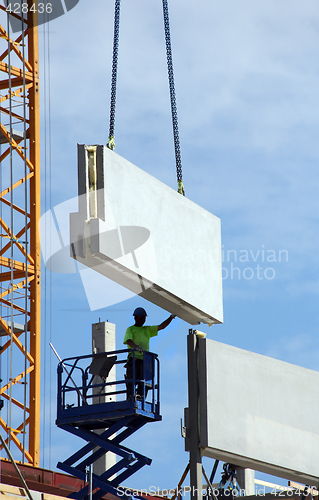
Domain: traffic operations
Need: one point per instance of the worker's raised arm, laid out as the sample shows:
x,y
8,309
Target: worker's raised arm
x,y
166,322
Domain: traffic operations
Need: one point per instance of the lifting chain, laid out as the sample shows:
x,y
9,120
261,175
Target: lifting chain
x,y
173,99
111,143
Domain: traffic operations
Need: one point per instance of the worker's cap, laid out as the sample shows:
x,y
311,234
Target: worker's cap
x,y
139,311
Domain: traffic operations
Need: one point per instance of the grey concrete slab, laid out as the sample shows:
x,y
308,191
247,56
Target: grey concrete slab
x,y
259,412
143,235
16,134
17,328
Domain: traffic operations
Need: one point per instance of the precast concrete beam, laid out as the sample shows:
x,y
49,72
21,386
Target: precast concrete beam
x,y
143,235
259,412
103,340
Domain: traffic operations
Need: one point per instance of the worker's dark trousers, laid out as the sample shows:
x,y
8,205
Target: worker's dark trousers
x,y
138,376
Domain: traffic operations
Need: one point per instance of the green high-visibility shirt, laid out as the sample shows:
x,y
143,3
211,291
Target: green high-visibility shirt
x,y
141,336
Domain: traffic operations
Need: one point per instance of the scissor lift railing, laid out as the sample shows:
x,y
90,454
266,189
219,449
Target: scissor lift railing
x,y
83,411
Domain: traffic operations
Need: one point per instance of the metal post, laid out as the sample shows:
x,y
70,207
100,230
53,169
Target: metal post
x,y
195,457
91,482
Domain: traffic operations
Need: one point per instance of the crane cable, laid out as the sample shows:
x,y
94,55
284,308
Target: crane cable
x,y
111,143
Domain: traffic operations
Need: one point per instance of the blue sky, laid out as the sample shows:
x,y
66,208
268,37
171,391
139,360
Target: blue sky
x,y
246,75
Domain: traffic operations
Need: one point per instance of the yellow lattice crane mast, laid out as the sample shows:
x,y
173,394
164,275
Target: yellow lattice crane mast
x,y
20,277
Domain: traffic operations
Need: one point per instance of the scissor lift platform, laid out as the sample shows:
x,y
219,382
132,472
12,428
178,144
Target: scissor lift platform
x,y
103,415
88,403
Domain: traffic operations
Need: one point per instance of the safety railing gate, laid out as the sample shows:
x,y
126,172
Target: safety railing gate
x,y
104,410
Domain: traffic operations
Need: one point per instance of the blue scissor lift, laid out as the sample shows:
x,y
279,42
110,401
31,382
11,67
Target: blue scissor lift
x,y
98,411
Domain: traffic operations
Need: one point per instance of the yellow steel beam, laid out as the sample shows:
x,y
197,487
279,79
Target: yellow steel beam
x,y
14,306
35,286
15,264
15,380
14,401
15,207
16,275
16,93
18,235
17,343
16,72
14,46
13,436
15,240
14,115
15,146
20,272
16,184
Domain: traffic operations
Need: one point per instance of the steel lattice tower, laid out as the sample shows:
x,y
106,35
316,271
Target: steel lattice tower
x,y
20,277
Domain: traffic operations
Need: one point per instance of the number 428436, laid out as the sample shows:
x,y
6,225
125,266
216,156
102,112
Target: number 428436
x,y
18,8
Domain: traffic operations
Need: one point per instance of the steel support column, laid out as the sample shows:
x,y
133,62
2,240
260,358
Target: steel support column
x,y
195,457
35,213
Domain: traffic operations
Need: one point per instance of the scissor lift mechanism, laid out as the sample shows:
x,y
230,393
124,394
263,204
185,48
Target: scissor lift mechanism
x,y
81,413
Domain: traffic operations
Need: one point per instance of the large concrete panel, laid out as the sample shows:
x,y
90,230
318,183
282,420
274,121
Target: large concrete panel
x,y
143,235
259,412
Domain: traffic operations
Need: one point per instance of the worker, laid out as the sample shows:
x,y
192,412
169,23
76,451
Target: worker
x,y
138,337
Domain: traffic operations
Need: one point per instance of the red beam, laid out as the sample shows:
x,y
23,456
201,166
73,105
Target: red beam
x,y
47,481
